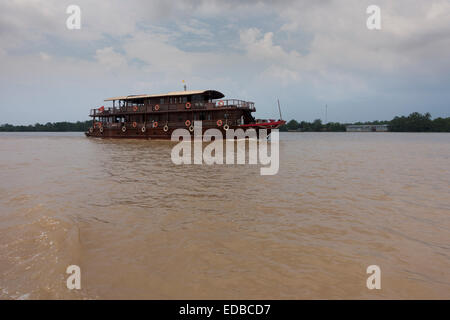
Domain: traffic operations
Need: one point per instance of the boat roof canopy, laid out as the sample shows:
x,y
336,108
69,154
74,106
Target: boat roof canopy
x,y
212,94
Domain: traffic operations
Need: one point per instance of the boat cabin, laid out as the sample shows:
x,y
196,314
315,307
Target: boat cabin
x,y
174,108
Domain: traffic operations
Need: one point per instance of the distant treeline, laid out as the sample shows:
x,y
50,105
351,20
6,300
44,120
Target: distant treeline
x,y
50,126
415,122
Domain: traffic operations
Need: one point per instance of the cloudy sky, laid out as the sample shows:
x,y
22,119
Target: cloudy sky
x,y
306,53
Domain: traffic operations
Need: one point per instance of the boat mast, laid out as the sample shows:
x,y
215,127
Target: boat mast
x,y
279,109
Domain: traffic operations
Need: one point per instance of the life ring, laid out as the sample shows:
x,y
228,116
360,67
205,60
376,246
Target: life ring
x,y
135,108
155,124
226,127
124,129
134,124
99,124
191,128
219,122
221,103
143,129
101,129
91,129
166,128
187,123
157,107
188,105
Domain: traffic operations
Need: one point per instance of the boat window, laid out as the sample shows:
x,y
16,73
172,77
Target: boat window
x,y
197,98
161,101
184,99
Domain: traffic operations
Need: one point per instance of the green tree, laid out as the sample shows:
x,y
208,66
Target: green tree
x,y
57,126
292,125
415,122
317,125
441,124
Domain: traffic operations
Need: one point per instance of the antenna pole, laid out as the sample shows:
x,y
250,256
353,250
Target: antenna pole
x,y
279,109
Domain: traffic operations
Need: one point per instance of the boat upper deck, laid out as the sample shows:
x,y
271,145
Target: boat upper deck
x,y
173,107
170,102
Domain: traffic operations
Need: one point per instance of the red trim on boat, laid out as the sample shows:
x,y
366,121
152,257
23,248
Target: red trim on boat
x,y
264,124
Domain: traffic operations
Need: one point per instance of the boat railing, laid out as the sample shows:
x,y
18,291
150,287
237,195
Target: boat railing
x,y
227,103
234,103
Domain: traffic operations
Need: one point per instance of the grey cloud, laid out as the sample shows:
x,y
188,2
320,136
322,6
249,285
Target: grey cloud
x,y
257,49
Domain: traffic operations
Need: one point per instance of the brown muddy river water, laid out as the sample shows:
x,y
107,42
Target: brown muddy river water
x,y
141,227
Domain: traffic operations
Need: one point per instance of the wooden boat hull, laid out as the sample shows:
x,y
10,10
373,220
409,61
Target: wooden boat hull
x,y
151,134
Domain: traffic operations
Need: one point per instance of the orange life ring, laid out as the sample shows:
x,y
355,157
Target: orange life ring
x,y
188,105
134,124
221,103
135,108
157,107
219,123
187,123
155,124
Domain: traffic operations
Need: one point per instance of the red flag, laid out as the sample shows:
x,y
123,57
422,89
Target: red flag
x,y
102,108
